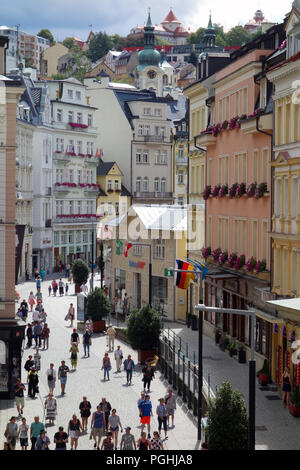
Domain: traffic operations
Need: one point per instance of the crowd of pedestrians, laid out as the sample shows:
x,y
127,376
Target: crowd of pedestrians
x,y
104,424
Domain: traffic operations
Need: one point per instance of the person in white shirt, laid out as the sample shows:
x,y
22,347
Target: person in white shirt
x,y
84,288
111,333
51,378
118,358
35,316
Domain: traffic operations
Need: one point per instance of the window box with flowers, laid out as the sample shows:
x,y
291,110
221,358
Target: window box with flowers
x,y
72,154
231,260
216,190
251,189
110,190
250,264
81,154
223,190
239,262
240,190
215,254
117,190
260,190
207,192
223,257
206,252
232,190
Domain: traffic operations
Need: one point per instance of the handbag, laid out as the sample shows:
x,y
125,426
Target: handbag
x,y
67,317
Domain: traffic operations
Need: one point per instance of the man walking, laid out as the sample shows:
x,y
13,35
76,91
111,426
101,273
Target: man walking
x,y
35,431
118,358
86,341
170,402
61,287
106,408
98,425
129,367
128,440
33,381
29,363
51,378
19,395
111,333
75,337
37,330
148,376
62,376
45,336
146,412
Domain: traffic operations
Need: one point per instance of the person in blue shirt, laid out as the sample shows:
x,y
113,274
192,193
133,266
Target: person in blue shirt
x,y
145,413
129,367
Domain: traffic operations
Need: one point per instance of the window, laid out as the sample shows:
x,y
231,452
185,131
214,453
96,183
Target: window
x,y
71,207
146,130
117,208
63,238
145,156
147,111
79,147
102,208
70,116
138,184
157,112
84,236
265,165
90,120
70,94
78,95
138,156
163,185
180,151
180,177
140,130
156,185
163,157
254,238
79,176
59,115
116,184
71,237
71,176
180,201
79,118
159,249
78,207
145,185
109,208
56,238
255,165
109,184
137,249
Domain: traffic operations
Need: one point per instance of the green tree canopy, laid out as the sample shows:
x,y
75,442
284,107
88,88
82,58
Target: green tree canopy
x,y
80,271
46,33
143,328
99,46
71,44
227,420
237,36
98,305
197,37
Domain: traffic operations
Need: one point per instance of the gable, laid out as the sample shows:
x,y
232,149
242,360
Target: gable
x,y
114,171
294,18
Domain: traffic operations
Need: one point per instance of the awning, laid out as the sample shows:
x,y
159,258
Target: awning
x,y
221,276
292,305
268,317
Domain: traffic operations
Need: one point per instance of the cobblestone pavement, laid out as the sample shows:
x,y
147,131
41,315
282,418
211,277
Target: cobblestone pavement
x,y
88,380
277,429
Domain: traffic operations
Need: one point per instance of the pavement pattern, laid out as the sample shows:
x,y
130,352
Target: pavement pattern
x,y
88,380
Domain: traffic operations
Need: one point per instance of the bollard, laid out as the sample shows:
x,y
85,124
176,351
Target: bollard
x,y
183,382
189,386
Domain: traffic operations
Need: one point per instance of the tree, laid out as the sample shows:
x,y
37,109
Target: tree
x,y
197,37
80,272
71,44
46,33
98,305
58,76
143,328
227,420
237,36
99,46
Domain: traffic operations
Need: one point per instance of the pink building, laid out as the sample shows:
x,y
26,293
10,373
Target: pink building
x,y
238,202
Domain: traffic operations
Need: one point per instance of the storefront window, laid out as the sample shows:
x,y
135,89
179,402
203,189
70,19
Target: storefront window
x,y
120,281
3,366
159,293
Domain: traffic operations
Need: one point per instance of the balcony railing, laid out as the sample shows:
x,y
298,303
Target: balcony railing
x,y
153,195
154,138
77,218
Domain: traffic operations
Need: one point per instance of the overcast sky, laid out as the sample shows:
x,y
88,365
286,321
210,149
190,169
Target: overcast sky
x,y
73,17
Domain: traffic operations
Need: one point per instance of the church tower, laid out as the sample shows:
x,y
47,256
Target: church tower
x,y
210,34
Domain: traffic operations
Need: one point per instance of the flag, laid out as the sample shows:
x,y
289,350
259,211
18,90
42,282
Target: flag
x,y
183,279
128,246
119,245
198,267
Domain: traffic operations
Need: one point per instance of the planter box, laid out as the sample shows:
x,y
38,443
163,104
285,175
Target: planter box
x,y
294,411
143,355
99,326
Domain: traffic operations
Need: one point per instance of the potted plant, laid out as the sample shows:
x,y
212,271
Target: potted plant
x,y
97,307
194,322
80,272
143,331
263,375
224,341
232,349
294,405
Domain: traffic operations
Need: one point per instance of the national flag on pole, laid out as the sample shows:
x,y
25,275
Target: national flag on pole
x,y
183,279
198,267
127,247
119,245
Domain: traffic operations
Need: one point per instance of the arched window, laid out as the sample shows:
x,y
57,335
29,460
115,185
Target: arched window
x,y
138,184
156,185
163,185
145,185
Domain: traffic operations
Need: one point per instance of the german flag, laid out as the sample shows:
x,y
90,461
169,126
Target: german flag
x,y
183,279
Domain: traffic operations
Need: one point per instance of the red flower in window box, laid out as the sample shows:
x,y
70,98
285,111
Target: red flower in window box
x,y
110,190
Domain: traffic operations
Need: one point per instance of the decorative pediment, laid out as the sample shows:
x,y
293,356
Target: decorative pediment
x,y
284,158
294,18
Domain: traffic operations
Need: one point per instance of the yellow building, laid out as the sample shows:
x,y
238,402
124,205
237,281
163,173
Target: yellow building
x,y
114,199
160,236
50,58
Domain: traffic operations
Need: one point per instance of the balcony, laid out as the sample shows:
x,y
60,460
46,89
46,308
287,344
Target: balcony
x,y
77,219
265,124
153,195
181,161
61,156
206,139
61,189
154,138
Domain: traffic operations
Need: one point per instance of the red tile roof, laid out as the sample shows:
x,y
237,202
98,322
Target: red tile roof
x,y
170,17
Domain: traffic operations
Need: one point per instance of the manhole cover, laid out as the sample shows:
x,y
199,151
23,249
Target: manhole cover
x,y
260,428
272,397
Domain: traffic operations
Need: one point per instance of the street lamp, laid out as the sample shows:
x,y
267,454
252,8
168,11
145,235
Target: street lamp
x,y
252,367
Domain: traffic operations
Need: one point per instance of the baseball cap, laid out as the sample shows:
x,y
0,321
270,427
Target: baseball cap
x,y
128,427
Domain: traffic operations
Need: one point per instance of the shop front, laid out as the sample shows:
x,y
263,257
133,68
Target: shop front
x,y
12,334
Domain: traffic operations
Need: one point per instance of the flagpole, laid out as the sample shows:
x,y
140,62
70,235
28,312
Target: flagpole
x,y
174,296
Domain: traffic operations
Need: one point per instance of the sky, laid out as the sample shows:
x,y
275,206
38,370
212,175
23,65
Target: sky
x,y
73,17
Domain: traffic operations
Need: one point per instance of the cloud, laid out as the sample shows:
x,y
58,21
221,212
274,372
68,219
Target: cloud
x,y
73,17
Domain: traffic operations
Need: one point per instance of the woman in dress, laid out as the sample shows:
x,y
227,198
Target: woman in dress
x,y
85,412
71,314
74,428
106,365
51,408
114,423
107,443
156,442
144,443
286,387
54,287
31,300
74,357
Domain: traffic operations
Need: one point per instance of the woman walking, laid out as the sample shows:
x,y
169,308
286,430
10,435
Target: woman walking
x,y
106,365
286,387
51,408
51,378
31,300
54,287
11,433
114,424
74,431
23,434
144,443
71,314
85,412
161,411
74,355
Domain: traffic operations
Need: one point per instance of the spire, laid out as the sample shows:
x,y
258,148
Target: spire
x,y
210,34
209,26
149,22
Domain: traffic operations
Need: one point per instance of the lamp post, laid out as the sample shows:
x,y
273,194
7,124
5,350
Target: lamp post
x,y
252,367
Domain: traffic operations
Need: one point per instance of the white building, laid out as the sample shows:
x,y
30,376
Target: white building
x,y
141,143
74,172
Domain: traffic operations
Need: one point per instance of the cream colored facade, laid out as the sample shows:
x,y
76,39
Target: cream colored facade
x,y
50,58
286,176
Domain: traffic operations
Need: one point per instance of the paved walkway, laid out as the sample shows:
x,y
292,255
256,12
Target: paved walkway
x,y
88,380
277,429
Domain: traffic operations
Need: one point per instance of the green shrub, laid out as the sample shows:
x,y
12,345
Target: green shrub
x,y
98,305
143,328
80,272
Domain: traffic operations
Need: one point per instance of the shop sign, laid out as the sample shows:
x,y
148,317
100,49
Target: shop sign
x,y
139,264
168,272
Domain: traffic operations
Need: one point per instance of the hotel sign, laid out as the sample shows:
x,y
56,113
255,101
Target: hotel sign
x,y
139,264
